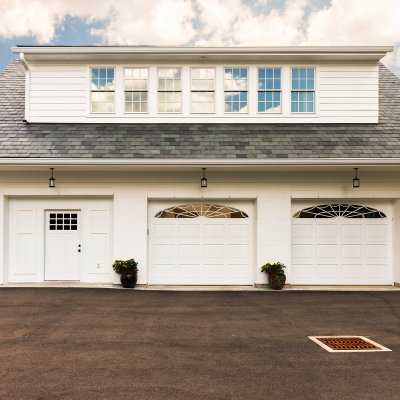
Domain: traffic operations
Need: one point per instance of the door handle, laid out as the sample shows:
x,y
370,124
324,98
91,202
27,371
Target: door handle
x,y
79,248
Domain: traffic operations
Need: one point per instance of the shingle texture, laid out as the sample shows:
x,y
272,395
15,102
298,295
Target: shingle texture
x,y
205,141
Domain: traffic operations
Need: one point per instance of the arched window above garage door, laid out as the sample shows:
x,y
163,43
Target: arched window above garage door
x,y
339,210
195,210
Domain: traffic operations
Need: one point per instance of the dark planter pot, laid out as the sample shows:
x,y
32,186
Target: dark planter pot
x,y
128,279
276,282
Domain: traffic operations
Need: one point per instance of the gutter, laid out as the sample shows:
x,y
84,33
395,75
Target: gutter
x,y
199,162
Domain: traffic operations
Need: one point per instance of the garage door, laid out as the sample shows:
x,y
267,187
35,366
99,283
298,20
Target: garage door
x,y
341,244
200,243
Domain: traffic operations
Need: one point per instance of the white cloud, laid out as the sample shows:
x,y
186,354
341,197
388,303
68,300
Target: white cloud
x,y
355,22
212,22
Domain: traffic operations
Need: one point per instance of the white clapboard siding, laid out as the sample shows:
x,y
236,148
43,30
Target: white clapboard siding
x,y
348,92
344,93
58,91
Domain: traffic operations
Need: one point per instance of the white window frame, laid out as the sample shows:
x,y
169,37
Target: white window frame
x,y
232,91
203,91
91,67
132,91
306,90
166,91
280,67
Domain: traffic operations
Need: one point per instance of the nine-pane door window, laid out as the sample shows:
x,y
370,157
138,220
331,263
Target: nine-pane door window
x,y
235,86
303,90
269,90
102,90
169,90
136,87
203,90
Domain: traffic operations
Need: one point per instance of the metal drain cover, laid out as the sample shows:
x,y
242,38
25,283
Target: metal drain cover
x,y
347,344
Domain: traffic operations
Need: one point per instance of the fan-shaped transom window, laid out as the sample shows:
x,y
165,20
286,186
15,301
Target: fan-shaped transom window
x,y
339,210
196,210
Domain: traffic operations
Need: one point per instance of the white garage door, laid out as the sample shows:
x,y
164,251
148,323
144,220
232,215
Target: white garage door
x,y
200,243
341,244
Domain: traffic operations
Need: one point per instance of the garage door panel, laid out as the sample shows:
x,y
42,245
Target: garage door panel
x,y
377,232
216,231
377,271
189,231
352,271
377,251
302,232
238,232
214,251
302,251
238,251
351,231
163,231
352,251
213,271
189,250
303,271
324,271
164,251
327,251
327,232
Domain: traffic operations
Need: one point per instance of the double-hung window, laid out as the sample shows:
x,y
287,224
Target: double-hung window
x,y
136,87
169,90
303,90
269,90
203,90
236,90
102,90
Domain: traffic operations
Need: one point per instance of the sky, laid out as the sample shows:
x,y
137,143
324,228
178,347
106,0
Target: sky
x,y
201,23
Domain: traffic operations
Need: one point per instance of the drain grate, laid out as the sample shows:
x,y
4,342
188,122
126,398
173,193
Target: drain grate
x,y
347,344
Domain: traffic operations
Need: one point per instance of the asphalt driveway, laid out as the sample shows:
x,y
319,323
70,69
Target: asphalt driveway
x,y
58,343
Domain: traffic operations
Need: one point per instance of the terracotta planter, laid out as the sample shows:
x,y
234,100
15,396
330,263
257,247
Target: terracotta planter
x,y
276,282
128,279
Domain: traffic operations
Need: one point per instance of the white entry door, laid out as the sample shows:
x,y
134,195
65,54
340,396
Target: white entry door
x,y
63,245
201,243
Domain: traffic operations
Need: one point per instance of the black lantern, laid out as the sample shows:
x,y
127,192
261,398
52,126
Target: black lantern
x,y
356,181
203,181
52,180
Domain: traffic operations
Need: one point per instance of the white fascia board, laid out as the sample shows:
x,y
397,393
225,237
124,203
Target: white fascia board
x,y
199,50
190,54
200,162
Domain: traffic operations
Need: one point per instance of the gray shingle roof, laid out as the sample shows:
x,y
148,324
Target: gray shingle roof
x,y
201,141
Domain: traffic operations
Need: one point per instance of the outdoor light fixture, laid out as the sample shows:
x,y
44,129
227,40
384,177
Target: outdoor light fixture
x,y
203,181
356,181
52,180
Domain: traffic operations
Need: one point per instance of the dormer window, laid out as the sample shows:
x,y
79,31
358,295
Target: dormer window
x,y
303,90
203,90
136,87
236,90
169,90
269,90
102,90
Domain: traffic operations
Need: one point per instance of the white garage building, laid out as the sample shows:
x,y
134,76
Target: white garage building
x,y
129,131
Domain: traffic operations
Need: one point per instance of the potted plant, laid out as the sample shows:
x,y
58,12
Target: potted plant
x,y
276,274
128,271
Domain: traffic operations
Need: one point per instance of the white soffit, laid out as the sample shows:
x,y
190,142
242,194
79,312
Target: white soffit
x,y
202,54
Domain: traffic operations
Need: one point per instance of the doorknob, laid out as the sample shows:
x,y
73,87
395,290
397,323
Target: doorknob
x,y
79,248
